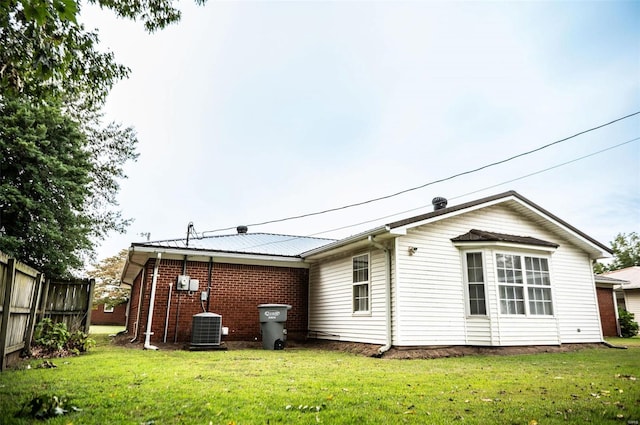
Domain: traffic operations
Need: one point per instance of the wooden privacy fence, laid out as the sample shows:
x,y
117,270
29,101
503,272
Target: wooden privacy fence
x,y
25,298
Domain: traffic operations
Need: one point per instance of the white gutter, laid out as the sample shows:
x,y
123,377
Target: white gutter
x,y
154,281
346,241
387,261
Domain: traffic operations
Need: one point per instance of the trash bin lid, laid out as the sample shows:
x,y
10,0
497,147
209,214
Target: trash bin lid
x,y
287,306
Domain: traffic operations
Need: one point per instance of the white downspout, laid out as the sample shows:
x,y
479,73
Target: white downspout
x,y
387,261
137,322
154,281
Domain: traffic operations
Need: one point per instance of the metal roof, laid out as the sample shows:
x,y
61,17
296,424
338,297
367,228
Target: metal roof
x,y
245,243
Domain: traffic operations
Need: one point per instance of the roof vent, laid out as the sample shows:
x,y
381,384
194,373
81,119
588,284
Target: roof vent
x,y
242,230
439,203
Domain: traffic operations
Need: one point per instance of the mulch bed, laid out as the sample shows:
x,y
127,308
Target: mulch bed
x,y
372,350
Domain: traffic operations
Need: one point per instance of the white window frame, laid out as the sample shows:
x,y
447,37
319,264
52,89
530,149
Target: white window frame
x,y
468,283
107,308
524,292
360,283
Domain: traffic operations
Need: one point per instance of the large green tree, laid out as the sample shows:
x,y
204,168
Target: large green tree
x,y
59,163
626,253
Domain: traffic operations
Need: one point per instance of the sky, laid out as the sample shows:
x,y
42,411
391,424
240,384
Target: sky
x,y
248,112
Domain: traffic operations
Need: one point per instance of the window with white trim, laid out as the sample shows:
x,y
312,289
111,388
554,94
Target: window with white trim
x,y
521,289
108,308
475,284
361,283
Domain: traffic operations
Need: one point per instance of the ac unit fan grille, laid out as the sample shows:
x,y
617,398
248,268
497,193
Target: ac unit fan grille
x,y
206,329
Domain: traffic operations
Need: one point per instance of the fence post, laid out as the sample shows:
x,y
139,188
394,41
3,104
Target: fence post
x,y
35,300
6,311
92,286
43,301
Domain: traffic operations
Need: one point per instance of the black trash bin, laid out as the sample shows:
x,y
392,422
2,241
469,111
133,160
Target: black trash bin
x,y
273,318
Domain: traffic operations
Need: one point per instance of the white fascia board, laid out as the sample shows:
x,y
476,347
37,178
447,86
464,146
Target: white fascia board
x,y
180,253
345,244
595,253
132,269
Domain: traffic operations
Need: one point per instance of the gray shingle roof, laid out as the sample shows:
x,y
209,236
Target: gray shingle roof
x,y
475,235
247,243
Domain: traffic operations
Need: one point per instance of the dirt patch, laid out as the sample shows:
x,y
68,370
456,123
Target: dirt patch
x,y
373,350
461,351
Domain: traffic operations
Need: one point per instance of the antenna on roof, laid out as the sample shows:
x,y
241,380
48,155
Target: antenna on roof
x,y
189,230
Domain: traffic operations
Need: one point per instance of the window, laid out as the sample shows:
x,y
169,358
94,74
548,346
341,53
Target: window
x,y
539,285
361,283
108,308
515,283
475,284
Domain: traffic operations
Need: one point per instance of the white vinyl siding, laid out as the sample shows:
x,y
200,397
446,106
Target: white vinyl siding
x,y
430,302
331,313
431,299
632,302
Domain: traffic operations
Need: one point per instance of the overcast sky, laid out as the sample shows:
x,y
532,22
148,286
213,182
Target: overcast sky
x,y
254,111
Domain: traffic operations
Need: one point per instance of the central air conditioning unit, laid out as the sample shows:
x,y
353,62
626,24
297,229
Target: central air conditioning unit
x,y
206,331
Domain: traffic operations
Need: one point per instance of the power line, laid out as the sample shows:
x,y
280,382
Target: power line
x,y
483,189
455,197
492,164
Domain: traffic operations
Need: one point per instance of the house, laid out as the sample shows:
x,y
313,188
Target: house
x,y
608,303
230,275
497,271
628,293
103,314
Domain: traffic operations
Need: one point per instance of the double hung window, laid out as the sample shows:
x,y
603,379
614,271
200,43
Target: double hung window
x,y
361,283
475,284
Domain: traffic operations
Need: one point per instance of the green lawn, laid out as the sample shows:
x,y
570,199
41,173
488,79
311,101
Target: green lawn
x,y
112,384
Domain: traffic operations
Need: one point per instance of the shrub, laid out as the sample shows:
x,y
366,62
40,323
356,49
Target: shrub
x,y
80,342
51,336
628,326
55,338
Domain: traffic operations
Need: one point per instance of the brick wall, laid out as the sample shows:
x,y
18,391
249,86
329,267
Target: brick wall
x,y
607,312
117,317
236,291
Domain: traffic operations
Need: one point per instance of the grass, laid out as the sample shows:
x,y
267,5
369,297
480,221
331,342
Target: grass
x,y
115,385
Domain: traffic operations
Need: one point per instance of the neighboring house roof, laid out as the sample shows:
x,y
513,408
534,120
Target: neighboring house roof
x,y
608,280
475,235
511,199
630,274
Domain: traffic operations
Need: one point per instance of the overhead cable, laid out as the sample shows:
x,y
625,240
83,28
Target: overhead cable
x,y
474,170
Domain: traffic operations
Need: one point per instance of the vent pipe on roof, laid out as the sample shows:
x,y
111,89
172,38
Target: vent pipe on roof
x,y
242,230
439,203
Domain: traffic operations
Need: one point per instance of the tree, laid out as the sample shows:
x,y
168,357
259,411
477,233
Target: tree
x,y
57,184
44,47
107,275
626,253
59,164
